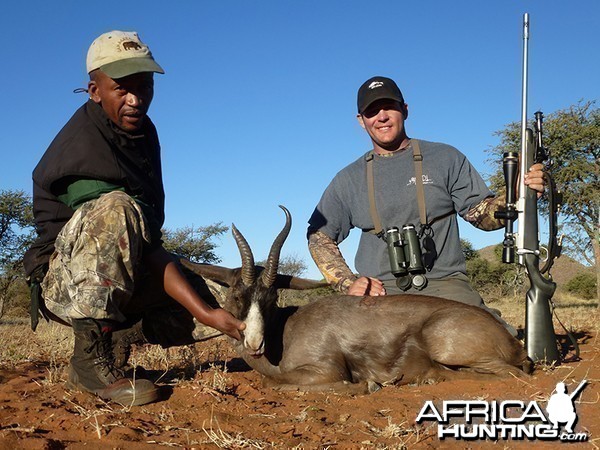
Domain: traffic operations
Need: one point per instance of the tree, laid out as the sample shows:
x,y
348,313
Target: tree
x,y
16,216
492,277
196,244
289,265
468,251
573,137
16,235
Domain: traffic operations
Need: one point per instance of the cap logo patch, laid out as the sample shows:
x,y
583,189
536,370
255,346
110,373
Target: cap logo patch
x,y
128,45
376,84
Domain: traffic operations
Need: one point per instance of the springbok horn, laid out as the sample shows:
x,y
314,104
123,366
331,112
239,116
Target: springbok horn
x,y
248,270
270,273
219,274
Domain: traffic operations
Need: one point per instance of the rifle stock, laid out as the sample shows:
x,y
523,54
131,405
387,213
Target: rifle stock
x,y
540,339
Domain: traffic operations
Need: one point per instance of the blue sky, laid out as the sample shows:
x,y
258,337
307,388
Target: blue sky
x,y
257,106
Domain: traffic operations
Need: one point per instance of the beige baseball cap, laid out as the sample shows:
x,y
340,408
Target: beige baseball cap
x,y
119,54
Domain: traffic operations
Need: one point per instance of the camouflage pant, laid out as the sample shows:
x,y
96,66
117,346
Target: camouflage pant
x,y
96,272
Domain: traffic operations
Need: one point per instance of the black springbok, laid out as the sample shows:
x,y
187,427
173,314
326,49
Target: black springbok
x,y
357,344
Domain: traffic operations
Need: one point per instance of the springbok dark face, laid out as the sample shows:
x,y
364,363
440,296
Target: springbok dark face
x,y
253,289
253,305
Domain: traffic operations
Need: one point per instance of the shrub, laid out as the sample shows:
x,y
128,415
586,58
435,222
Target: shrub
x,y
583,285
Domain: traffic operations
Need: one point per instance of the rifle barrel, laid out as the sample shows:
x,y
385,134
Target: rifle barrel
x,y
525,80
523,168
577,389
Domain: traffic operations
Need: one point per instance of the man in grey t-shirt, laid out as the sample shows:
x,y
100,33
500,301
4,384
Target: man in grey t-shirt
x,y
451,186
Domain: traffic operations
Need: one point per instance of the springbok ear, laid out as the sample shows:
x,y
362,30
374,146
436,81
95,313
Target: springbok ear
x,y
221,275
289,282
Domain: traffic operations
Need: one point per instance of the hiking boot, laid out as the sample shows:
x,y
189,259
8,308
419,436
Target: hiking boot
x,y
123,340
92,367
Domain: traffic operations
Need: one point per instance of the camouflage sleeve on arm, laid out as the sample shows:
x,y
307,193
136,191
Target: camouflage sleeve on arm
x,y
328,258
482,214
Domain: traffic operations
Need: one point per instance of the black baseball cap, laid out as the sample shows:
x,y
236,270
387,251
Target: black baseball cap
x,y
377,88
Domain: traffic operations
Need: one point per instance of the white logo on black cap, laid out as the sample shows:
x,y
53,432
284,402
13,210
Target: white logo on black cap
x,y
375,84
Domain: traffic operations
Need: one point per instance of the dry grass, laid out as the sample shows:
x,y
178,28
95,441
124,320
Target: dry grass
x,y
223,439
576,314
402,433
53,343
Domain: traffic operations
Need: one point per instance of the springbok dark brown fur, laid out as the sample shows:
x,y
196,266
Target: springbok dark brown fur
x,y
357,344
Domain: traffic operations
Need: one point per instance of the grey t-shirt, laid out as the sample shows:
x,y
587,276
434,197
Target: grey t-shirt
x,y
450,182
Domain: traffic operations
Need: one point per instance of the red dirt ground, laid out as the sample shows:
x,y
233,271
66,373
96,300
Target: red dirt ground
x,y
38,414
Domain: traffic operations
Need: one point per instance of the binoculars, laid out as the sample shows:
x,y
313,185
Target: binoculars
x,y
406,262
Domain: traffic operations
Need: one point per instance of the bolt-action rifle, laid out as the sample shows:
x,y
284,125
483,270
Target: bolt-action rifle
x,y
540,339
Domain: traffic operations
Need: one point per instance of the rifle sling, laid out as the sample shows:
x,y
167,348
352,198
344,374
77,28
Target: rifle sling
x,y
569,334
378,230
418,162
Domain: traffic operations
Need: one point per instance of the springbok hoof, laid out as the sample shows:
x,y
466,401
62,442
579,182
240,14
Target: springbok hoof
x,y
372,386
